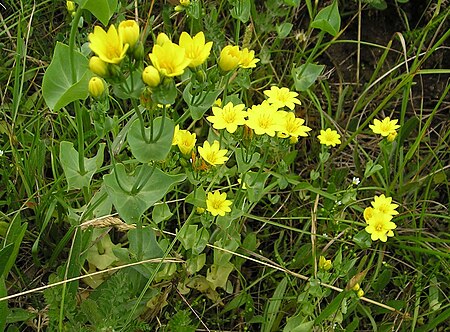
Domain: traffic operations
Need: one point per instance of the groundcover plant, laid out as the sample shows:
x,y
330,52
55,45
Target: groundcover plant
x,y
224,165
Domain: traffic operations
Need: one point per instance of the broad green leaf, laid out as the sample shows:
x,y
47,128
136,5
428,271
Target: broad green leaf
x,y
101,253
292,3
132,206
161,212
201,102
241,10
305,75
150,247
217,275
255,183
155,150
58,88
101,9
284,29
197,197
187,236
328,19
4,310
71,167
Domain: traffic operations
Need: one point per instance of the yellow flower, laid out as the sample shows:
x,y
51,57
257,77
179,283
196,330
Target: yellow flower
x,y
292,126
96,87
248,59
282,97
212,154
186,141
151,77
325,264
385,127
230,58
368,213
185,2
70,5
169,59
380,227
129,32
264,119
162,39
175,135
229,117
98,66
196,49
217,203
384,205
107,45
329,137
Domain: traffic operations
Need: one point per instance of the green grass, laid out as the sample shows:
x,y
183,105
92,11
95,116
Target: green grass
x,y
172,268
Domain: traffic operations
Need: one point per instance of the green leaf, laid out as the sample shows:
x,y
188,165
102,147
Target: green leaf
x,y
155,150
241,10
58,88
217,275
305,75
132,206
371,168
69,162
4,310
150,247
328,19
284,29
161,212
255,185
101,9
273,306
5,254
332,308
201,102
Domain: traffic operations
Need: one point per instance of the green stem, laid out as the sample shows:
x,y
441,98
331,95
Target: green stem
x,y
141,120
161,128
78,110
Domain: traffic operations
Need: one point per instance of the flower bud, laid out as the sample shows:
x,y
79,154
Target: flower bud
x,y
151,77
98,66
357,287
230,58
70,5
185,2
360,293
129,32
391,137
138,52
96,87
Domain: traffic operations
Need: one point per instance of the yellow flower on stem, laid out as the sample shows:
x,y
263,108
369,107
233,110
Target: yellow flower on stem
x,y
325,264
385,127
329,137
107,45
264,119
229,117
196,48
380,227
230,58
129,32
383,204
281,97
217,203
186,141
212,154
292,126
169,59
248,59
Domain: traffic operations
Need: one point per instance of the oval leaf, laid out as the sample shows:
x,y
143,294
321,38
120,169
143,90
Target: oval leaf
x,y
328,19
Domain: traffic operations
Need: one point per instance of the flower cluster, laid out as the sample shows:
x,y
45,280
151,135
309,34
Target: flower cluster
x,y
379,216
266,118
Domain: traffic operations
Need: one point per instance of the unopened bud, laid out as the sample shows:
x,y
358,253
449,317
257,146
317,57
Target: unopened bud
x,y
98,66
96,87
151,76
